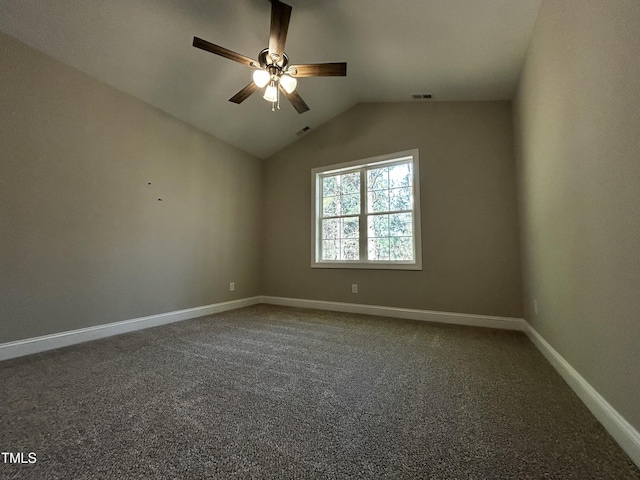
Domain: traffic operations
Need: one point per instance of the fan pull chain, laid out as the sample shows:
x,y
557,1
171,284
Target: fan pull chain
x,y
276,102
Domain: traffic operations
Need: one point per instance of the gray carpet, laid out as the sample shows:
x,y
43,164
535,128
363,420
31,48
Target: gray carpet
x,y
280,393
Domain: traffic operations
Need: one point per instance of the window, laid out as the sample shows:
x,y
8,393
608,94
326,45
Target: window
x,y
367,214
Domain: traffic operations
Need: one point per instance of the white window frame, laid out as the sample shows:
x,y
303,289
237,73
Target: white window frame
x,y
357,165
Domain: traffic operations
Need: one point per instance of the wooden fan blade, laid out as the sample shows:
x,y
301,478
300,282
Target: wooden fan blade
x,y
223,52
295,99
280,16
245,93
319,70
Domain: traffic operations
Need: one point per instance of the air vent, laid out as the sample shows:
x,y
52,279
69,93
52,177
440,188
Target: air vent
x,y
420,96
303,131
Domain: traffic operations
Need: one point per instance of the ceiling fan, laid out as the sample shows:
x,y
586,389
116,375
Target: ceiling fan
x,y
273,72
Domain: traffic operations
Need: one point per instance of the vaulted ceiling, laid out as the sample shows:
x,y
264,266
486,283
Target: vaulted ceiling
x,y
453,49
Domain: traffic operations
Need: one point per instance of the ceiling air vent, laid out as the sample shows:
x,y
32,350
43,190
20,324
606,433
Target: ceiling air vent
x,y
303,130
420,96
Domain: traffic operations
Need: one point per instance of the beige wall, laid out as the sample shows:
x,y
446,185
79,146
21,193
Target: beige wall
x,y
83,238
471,258
578,125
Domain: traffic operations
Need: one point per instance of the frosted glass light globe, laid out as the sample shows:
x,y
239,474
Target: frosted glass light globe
x,y
271,93
288,83
261,78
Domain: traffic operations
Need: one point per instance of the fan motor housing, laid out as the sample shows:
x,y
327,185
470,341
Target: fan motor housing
x,y
264,60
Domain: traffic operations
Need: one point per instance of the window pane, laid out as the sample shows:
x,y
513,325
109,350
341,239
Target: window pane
x,y
378,225
400,225
330,206
378,249
330,186
401,248
378,179
350,250
390,235
350,228
400,199
400,176
330,229
350,183
350,204
330,249
378,201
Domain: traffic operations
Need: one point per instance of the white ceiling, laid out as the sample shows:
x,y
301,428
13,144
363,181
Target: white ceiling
x,y
454,49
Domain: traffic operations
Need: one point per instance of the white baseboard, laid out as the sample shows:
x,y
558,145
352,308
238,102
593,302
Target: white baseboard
x,y
622,431
505,323
28,346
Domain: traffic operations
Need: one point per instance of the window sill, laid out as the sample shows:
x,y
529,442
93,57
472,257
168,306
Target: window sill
x,y
367,266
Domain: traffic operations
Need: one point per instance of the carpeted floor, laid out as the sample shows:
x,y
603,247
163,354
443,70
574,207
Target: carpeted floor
x,y
281,393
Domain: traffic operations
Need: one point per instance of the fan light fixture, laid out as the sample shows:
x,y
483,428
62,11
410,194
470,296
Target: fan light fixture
x,y
263,78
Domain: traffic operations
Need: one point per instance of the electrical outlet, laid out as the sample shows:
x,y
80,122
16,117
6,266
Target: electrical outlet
x,y
535,307
232,286
354,288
